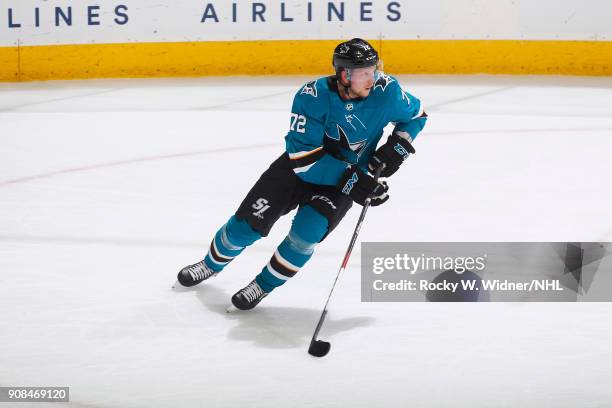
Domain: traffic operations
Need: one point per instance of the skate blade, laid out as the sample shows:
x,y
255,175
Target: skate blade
x,y
231,309
177,285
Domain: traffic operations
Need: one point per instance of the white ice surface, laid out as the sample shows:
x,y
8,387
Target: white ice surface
x,y
107,188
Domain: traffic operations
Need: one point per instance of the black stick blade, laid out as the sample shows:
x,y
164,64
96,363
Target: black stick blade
x,y
319,348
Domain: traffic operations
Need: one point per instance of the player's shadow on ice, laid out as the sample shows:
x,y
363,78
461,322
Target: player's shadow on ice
x,y
272,326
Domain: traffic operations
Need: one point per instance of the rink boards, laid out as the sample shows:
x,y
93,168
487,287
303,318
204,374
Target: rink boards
x,y
300,57
66,39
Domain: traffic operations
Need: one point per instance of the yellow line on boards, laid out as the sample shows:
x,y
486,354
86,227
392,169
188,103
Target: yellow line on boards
x,y
286,57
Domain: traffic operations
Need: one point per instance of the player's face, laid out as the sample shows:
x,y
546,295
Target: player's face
x,y
362,81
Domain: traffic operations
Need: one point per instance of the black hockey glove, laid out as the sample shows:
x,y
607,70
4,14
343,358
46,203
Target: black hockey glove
x,y
392,154
359,186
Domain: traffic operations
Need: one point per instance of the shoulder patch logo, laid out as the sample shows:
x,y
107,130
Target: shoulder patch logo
x,y
382,81
310,89
349,107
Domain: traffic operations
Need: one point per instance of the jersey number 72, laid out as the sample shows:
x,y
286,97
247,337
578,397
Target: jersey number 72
x,y
298,123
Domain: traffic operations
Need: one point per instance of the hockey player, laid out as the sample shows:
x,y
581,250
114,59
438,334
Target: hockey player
x,y
335,125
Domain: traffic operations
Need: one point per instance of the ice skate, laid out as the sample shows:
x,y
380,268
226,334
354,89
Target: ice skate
x,y
193,274
248,297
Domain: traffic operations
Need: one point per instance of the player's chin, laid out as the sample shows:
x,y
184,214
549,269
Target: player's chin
x,y
365,92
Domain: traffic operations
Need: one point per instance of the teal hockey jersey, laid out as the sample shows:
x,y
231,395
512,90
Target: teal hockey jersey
x,y
327,134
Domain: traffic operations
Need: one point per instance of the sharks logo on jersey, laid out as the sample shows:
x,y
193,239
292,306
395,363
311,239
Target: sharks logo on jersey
x,y
382,81
310,89
341,148
356,147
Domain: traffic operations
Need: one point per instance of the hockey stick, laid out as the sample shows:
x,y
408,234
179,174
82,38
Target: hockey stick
x,y
320,348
